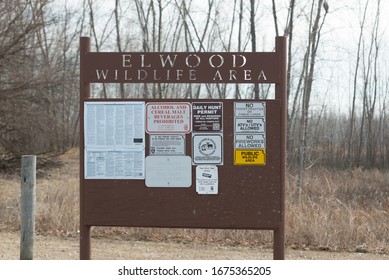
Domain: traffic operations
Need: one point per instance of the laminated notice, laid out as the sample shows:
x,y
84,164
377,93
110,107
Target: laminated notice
x,y
207,180
114,140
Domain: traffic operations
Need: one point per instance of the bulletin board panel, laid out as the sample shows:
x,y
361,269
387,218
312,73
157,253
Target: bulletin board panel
x,y
249,197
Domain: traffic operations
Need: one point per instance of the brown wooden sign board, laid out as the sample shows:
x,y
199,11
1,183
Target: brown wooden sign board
x,y
249,196
181,68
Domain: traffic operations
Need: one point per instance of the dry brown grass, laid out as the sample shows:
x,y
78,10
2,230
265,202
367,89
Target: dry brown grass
x,y
338,211
341,210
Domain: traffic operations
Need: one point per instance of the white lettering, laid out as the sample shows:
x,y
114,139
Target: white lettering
x,y
102,73
168,75
167,59
217,76
142,61
211,62
126,58
126,76
156,78
196,63
179,74
192,75
247,75
234,60
262,76
232,75
140,77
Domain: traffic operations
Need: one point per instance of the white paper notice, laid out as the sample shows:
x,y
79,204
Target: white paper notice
x,y
114,124
101,164
207,179
114,140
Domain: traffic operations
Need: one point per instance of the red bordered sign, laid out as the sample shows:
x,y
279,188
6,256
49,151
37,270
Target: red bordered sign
x,y
168,117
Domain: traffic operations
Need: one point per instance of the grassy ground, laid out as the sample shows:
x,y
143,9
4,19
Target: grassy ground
x,y
338,211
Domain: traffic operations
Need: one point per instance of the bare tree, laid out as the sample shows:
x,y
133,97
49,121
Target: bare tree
x,y
253,41
275,17
355,86
311,53
118,39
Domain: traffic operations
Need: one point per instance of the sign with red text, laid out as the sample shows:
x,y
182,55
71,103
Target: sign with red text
x,y
168,117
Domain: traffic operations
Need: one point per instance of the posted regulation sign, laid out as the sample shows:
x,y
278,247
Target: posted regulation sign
x,y
250,133
168,117
250,157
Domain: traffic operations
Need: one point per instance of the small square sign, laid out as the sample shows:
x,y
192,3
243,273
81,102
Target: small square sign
x,y
207,148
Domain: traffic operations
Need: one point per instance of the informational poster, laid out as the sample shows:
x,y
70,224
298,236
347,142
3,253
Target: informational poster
x,y
207,148
168,117
114,124
106,164
167,144
114,140
207,116
207,180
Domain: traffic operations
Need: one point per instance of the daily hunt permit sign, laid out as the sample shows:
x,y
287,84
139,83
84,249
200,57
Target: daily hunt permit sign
x,y
207,116
168,117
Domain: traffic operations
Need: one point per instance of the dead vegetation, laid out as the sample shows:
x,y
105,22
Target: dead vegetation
x,y
338,211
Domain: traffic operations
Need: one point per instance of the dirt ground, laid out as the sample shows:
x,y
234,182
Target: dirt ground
x,y
67,248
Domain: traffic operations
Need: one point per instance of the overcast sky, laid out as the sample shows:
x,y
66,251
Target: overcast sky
x,y
337,52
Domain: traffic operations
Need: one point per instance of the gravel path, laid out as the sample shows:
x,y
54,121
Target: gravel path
x,y
67,248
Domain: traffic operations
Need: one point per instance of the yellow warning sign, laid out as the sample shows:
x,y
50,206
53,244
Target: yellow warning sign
x,y
250,157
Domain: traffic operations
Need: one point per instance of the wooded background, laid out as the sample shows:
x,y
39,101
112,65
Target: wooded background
x,y
338,86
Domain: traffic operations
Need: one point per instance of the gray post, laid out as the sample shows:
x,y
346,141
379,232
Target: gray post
x,y
27,201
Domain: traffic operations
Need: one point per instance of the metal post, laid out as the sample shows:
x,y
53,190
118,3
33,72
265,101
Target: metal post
x,y
28,198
